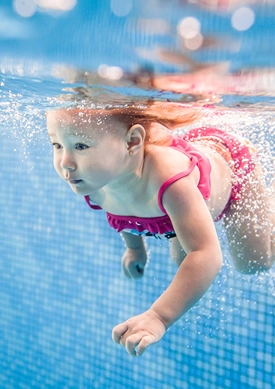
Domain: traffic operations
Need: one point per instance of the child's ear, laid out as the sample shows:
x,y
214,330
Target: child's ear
x,y
135,137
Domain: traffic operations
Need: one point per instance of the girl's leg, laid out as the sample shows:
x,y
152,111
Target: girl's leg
x,y
250,224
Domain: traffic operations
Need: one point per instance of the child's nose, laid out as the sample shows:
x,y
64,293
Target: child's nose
x,y
67,162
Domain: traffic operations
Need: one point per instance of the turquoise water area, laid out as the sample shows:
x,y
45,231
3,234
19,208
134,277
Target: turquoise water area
x,y
61,285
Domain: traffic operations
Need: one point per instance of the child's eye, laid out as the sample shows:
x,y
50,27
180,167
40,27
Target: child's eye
x,y
57,146
81,146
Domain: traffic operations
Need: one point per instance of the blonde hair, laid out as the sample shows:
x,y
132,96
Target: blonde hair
x,y
157,117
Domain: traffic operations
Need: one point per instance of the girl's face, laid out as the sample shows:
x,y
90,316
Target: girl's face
x,y
89,153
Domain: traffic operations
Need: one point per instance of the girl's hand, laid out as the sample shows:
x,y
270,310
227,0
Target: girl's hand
x,y
134,261
139,332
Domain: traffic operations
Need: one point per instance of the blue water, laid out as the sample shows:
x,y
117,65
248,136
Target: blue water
x,y
61,285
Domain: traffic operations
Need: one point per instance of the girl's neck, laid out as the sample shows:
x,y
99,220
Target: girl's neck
x,y
125,188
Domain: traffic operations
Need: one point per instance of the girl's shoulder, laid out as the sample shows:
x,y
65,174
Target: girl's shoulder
x,y
164,162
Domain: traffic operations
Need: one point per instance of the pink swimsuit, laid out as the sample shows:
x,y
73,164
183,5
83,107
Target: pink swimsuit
x,y
162,227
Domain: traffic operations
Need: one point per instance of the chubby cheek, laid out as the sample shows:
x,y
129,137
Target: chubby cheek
x,y
56,164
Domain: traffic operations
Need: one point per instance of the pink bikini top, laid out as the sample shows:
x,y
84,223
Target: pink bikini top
x,y
161,226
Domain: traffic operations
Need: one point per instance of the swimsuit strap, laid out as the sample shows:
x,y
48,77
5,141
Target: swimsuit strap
x,y
87,199
171,180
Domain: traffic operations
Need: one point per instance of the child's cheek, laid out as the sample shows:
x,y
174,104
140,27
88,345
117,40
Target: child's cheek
x,y
56,165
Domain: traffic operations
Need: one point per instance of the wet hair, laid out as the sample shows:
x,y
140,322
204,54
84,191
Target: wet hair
x,y
159,118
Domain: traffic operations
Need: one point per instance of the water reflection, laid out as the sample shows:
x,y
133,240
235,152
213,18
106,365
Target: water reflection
x,y
169,36
204,83
27,8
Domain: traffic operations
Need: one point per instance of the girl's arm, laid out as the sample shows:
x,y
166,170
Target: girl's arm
x,y
133,241
197,235
135,256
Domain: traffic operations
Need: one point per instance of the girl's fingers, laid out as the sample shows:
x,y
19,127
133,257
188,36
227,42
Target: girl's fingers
x,y
136,344
131,343
126,271
144,343
118,332
135,270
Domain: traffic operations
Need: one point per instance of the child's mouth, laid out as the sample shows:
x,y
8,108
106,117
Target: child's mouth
x,y
74,182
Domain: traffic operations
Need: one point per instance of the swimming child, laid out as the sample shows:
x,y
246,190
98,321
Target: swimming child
x,y
151,181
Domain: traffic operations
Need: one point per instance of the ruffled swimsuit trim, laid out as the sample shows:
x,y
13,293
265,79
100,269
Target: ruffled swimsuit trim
x,y
242,161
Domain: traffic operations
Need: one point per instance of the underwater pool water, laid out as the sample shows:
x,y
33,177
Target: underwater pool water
x,y
61,285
